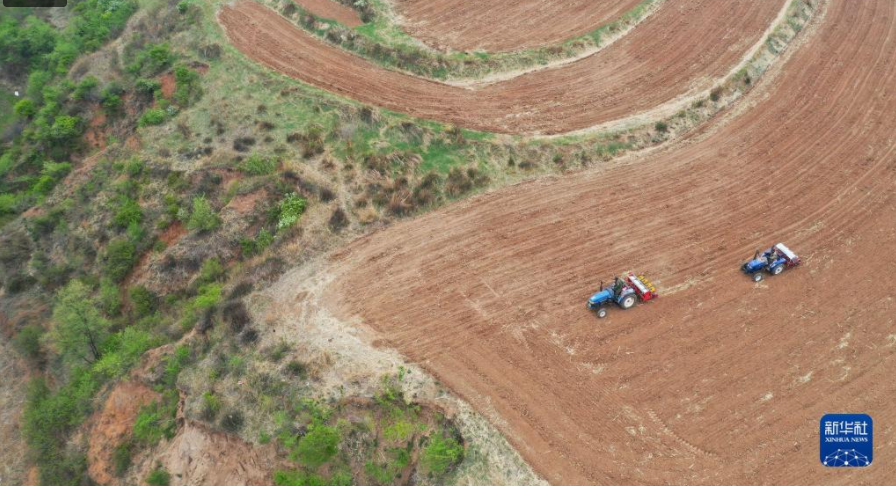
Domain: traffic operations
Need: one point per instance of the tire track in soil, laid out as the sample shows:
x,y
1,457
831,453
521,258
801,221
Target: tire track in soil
x,y
812,164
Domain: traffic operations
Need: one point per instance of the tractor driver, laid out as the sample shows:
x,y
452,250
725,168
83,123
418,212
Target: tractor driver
x,y
772,256
617,286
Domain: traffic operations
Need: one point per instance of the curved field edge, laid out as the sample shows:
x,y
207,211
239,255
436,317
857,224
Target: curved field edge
x,y
293,308
777,40
385,44
653,126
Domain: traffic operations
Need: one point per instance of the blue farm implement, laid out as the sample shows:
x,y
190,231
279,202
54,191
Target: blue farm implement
x,y
625,292
774,261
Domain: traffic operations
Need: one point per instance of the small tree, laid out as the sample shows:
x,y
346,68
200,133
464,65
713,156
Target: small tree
x,y
318,446
65,128
441,454
79,330
25,108
203,217
291,209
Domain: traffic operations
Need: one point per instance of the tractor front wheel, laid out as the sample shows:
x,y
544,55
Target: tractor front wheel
x,y
777,270
628,301
757,277
602,312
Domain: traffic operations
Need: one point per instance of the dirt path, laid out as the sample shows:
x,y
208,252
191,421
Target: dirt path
x,y
328,9
721,381
501,25
684,48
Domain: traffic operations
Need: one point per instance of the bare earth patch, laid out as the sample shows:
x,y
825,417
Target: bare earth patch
x,y
112,426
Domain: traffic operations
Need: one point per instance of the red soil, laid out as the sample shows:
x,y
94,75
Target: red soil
x,y
95,136
113,425
245,203
720,381
683,48
499,25
328,9
168,85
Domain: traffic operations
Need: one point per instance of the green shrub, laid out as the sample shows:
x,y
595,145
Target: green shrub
x,y
8,203
65,128
155,421
211,405
152,117
147,87
301,478
203,217
112,103
27,341
158,477
187,89
134,167
123,352
47,419
263,240
25,108
121,255
290,210
661,127
56,170
121,458
109,298
441,454
173,366
85,88
254,247
211,271
127,212
318,446
209,295
153,59
143,301
256,164
183,6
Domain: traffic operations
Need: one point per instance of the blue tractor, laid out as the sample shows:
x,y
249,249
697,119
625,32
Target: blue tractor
x,y
774,261
625,292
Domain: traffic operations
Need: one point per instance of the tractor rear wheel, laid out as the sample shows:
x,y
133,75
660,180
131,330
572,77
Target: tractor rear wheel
x,y
602,312
757,277
628,301
777,270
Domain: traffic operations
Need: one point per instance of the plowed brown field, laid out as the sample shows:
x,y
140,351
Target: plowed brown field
x,y
720,381
682,49
329,9
501,25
